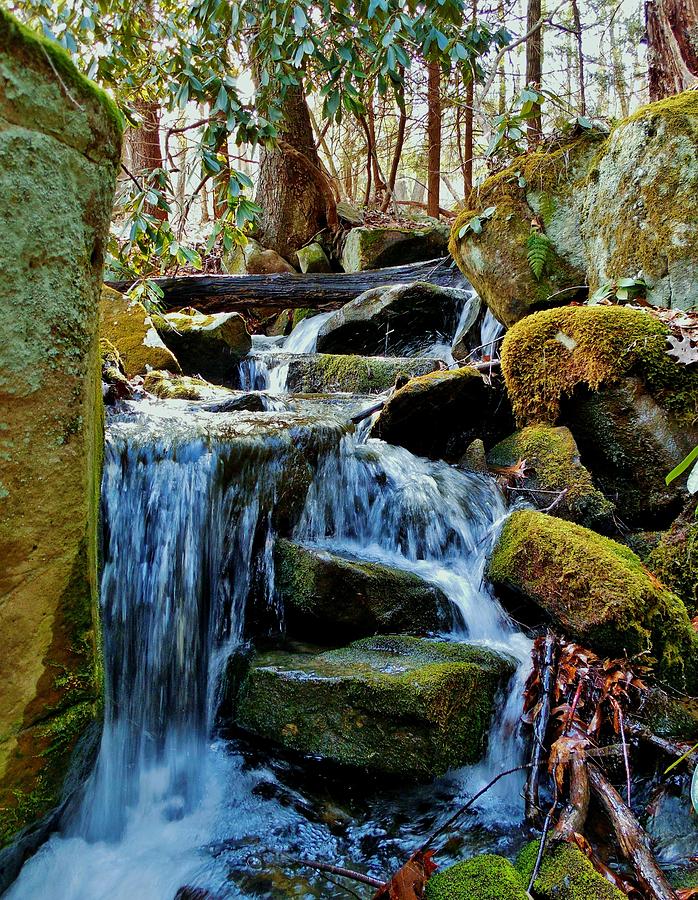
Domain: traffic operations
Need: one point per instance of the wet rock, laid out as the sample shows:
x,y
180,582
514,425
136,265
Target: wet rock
x,y
565,874
485,877
60,145
553,466
597,591
605,373
241,402
253,259
671,822
206,345
669,716
438,415
675,559
400,705
397,319
327,372
468,334
313,259
127,325
327,597
376,248
475,457
611,207
166,386
115,384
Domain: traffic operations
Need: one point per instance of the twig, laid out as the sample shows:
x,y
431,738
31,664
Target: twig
x,y
671,748
548,661
556,502
626,761
541,846
338,870
62,83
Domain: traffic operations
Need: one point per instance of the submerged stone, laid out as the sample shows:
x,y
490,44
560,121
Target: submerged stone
x,y
402,318
206,345
60,141
485,877
320,373
565,874
597,591
377,248
401,705
328,597
553,466
438,415
128,326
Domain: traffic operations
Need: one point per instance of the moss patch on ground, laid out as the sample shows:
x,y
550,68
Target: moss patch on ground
x,y
485,877
548,354
565,874
597,591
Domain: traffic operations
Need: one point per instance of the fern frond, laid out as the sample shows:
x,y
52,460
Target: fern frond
x,y
538,248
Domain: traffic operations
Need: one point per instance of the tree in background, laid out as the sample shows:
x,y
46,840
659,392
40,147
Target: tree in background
x,y
672,37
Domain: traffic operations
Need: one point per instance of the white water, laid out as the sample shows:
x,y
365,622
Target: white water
x,y
490,330
188,539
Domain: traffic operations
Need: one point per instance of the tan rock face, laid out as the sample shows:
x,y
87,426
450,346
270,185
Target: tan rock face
x,y
58,161
128,326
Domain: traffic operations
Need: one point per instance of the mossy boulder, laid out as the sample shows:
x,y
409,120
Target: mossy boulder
x,y
675,560
329,598
597,591
115,384
376,248
565,874
404,706
552,466
313,259
127,325
206,345
618,205
320,373
398,319
253,259
438,415
485,877
605,373
166,386
60,140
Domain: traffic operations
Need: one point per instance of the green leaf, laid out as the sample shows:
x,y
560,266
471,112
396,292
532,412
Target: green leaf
x,y
475,225
692,483
681,759
538,248
682,466
300,20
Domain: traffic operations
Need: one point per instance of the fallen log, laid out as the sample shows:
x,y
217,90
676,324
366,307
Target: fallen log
x,y
226,293
633,841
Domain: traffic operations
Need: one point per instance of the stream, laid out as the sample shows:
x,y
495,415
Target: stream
x,y
191,503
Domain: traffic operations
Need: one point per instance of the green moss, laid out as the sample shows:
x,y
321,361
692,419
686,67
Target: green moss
x,y
597,591
599,345
565,874
675,562
552,463
485,877
355,374
167,386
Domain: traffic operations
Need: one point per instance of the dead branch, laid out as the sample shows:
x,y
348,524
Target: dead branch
x,y
548,660
574,815
632,839
666,745
338,870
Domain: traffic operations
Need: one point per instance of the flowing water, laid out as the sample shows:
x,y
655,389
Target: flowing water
x,y
192,501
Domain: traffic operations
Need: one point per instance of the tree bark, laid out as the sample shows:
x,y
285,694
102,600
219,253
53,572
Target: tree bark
x,y
145,153
672,39
433,138
469,150
292,190
577,19
534,65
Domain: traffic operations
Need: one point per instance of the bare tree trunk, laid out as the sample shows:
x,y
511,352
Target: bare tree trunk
x,y
580,57
618,72
502,102
397,152
144,148
469,150
293,192
434,138
534,65
672,38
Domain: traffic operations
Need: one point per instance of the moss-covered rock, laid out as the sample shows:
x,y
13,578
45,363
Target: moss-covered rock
x,y
313,259
485,877
376,248
319,373
675,560
253,259
565,874
400,705
597,591
438,415
206,345
553,465
612,206
166,386
330,598
127,325
60,140
401,318
115,384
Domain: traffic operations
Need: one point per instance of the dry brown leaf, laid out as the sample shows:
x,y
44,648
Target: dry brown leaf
x,y
409,882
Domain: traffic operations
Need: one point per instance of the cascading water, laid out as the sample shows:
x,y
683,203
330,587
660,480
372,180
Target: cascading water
x,y
191,503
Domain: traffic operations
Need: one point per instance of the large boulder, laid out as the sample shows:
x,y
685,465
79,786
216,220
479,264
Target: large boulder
x,y
127,325
60,143
329,598
400,705
377,248
611,206
604,371
553,467
206,345
397,319
321,373
313,259
565,874
485,877
253,259
675,559
438,415
596,590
